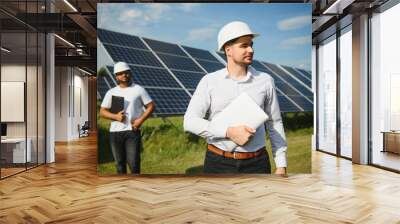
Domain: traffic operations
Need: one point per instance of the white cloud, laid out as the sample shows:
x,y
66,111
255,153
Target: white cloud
x,y
129,15
149,14
202,33
294,23
296,41
188,7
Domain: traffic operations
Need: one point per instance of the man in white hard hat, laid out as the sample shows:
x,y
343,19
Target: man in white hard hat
x,y
216,90
125,137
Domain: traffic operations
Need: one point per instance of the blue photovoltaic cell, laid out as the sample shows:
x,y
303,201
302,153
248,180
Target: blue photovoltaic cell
x,y
298,76
302,102
132,56
188,79
158,77
285,105
290,79
200,54
164,47
210,66
304,72
181,63
107,36
259,67
169,101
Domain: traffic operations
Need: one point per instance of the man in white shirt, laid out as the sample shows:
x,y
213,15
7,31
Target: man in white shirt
x,y
216,90
125,137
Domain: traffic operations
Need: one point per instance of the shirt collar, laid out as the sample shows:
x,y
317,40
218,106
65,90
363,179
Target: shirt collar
x,y
249,74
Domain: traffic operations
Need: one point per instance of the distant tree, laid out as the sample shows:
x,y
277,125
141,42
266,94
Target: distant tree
x,y
102,72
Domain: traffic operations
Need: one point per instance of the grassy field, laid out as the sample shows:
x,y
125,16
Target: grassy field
x,y
168,150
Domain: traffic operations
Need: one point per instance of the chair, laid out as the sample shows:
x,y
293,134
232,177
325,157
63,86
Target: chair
x,y
84,130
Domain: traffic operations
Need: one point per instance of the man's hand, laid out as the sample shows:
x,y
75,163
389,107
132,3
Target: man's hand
x,y
240,134
119,116
137,123
280,171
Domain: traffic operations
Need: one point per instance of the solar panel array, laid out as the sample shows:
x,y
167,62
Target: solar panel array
x,y
171,72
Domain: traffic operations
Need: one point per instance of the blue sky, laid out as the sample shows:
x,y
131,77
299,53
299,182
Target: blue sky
x,y
285,29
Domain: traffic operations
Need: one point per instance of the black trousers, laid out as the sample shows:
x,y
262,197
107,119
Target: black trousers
x,y
125,147
215,163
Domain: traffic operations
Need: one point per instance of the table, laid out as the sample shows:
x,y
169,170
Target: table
x,y
13,150
391,141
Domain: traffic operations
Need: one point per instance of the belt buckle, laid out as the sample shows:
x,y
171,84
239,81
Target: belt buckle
x,y
234,154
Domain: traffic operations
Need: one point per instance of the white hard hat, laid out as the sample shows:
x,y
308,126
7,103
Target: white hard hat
x,y
120,67
233,30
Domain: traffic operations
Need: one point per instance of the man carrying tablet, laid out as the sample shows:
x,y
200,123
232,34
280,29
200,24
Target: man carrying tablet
x,y
125,137
217,90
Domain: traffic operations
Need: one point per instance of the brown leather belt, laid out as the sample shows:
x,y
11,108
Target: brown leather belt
x,y
235,155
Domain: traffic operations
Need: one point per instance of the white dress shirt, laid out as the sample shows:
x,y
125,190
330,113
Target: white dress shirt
x,y
216,90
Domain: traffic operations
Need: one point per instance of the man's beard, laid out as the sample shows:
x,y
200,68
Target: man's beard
x,y
127,82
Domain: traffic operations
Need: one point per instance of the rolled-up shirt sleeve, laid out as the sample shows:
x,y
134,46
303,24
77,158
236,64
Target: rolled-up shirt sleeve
x,y
194,121
275,127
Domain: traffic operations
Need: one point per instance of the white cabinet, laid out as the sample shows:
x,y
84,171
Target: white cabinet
x,y
17,147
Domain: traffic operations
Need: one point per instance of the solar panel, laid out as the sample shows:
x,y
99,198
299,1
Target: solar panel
x,y
297,75
110,79
210,66
290,79
132,56
188,79
286,105
169,101
160,46
222,55
180,63
259,67
102,87
302,102
169,96
283,86
154,77
200,54
107,36
304,72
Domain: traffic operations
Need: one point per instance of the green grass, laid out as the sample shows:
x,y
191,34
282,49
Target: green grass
x,y
168,150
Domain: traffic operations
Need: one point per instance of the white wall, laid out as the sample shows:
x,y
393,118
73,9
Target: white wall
x,y
71,102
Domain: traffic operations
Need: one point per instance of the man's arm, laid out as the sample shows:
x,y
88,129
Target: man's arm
x,y
105,113
193,120
276,131
146,114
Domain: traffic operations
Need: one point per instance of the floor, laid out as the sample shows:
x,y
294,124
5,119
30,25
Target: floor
x,y
69,191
